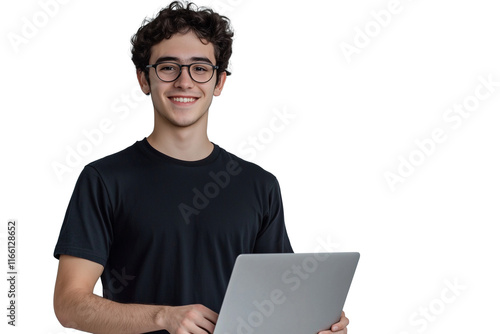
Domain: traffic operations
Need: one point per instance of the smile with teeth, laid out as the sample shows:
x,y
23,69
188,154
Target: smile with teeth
x,y
184,99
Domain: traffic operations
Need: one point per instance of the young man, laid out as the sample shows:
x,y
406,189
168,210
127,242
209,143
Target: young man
x,y
163,221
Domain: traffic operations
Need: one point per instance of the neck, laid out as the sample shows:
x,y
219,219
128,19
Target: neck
x,y
183,143
181,146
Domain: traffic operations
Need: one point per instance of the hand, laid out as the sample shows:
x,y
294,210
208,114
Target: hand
x,y
339,327
192,319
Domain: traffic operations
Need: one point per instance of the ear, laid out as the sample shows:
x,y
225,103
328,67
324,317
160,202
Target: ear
x,y
220,84
143,82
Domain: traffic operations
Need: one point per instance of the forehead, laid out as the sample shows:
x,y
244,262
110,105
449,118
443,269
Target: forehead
x,y
184,47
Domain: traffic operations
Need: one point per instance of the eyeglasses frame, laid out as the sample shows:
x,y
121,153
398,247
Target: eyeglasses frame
x,y
215,67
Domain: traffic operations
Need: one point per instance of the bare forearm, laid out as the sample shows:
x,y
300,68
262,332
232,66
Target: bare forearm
x,y
91,313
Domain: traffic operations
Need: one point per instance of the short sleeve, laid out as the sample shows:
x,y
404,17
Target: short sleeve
x,y
273,237
86,231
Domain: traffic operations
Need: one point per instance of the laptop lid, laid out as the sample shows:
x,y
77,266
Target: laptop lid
x,y
286,293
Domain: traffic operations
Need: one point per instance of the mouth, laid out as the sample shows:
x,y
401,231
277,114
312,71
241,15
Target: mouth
x,y
183,100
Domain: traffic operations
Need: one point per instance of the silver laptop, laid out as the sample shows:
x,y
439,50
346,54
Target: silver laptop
x,y
286,293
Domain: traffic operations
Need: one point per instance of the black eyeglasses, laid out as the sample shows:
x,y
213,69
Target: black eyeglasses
x,y
170,71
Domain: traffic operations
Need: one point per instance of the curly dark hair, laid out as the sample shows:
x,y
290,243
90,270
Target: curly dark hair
x,y
209,26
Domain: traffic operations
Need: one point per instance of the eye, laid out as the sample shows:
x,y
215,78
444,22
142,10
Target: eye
x,y
199,69
167,67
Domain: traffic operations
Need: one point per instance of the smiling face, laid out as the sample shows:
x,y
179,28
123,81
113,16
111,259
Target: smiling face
x,y
183,102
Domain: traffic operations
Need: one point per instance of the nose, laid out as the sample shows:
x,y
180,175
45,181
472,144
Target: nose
x,y
184,80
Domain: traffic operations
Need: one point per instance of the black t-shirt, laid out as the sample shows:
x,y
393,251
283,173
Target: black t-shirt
x,y
168,231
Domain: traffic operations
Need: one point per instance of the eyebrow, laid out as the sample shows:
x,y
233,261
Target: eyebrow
x,y
193,59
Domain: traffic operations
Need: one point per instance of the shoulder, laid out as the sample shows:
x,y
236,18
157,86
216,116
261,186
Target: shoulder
x,y
113,160
126,161
248,169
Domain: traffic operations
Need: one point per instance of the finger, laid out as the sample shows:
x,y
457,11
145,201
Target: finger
x,y
209,319
210,315
195,329
343,322
199,326
207,325
342,331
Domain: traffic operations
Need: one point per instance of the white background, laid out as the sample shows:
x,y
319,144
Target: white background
x,y
350,122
